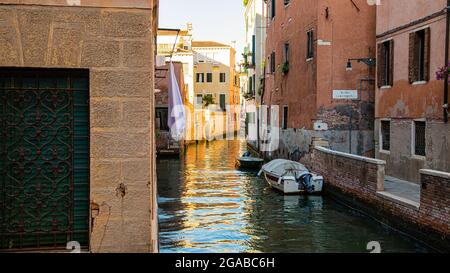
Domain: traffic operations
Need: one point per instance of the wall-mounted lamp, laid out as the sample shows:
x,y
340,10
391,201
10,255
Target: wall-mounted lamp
x,y
349,66
369,61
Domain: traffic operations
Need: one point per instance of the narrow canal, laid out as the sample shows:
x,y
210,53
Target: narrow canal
x,y
206,205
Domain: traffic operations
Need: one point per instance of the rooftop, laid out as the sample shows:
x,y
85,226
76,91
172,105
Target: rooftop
x,y
208,44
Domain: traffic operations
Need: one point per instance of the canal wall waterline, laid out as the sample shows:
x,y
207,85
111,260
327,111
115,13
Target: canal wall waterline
x,y
358,182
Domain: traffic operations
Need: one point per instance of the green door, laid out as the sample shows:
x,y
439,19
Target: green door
x,y
222,101
44,158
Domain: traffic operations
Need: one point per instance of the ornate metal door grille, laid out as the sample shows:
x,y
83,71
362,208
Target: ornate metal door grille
x,y
44,164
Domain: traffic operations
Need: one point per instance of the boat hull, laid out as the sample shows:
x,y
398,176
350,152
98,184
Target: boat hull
x,y
249,163
291,186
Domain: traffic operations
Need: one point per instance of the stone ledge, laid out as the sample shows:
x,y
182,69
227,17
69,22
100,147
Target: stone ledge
x,y
142,4
435,173
351,156
399,200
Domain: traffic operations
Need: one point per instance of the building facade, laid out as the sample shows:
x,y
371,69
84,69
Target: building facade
x,y
216,86
77,100
410,131
177,46
254,59
308,50
165,145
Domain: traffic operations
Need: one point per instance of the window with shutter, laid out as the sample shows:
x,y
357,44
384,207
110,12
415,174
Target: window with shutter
x,y
385,69
419,55
272,63
390,80
381,64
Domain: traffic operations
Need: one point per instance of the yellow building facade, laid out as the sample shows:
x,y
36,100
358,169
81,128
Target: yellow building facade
x,y
216,89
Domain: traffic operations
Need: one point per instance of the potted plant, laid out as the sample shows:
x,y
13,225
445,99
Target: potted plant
x,y
440,74
208,99
285,68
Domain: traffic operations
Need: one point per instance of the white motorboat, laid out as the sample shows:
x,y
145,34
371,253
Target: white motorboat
x,y
291,177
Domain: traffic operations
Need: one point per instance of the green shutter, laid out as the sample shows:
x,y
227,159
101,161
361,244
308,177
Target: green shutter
x,y
44,190
222,101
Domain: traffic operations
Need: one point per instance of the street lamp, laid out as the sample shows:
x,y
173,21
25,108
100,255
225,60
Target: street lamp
x,y
369,61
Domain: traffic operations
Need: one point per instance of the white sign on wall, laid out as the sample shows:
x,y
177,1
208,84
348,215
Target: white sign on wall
x,y
345,94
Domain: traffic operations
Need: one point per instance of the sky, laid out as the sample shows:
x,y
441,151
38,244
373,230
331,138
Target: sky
x,y
212,20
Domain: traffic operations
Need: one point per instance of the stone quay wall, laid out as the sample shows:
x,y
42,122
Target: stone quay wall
x,y
359,182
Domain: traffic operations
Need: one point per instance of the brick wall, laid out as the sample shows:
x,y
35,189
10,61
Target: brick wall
x,y
116,46
359,180
435,199
358,175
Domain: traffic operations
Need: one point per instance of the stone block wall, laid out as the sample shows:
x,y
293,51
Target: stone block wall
x,y
116,46
358,182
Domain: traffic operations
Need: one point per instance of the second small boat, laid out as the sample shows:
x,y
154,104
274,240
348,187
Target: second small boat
x,y
247,161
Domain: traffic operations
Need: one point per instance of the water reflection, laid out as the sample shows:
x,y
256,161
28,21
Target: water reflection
x,y
206,205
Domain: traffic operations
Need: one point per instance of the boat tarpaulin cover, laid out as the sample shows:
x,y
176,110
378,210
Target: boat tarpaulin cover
x,y
281,167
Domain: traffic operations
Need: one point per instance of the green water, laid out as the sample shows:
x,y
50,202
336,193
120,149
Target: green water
x,y
206,205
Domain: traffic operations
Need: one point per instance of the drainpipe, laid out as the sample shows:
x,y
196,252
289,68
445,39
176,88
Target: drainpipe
x,y
447,41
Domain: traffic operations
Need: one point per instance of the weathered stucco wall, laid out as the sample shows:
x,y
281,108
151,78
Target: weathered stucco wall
x,y
400,160
116,45
307,89
395,13
403,102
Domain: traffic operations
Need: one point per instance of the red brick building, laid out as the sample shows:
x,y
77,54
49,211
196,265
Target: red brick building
x,y
309,44
410,130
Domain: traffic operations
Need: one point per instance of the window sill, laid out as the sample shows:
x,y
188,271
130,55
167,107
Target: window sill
x,y
419,82
419,157
309,59
386,87
385,152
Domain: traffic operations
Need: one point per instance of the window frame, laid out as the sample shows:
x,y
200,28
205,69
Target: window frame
x,y
310,45
196,99
224,80
285,117
286,53
381,136
385,64
200,77
223,95
272,9
272,62
209,77
414,138
419,55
